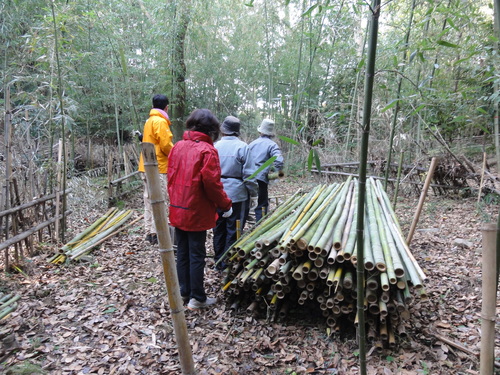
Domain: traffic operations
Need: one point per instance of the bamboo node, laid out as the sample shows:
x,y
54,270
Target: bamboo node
x,y
177,311
166,250
490,318
157,201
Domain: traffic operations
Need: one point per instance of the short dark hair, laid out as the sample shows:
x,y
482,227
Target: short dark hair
x,y
160,101
203,121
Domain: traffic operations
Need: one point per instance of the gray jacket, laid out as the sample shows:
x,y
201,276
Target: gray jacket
x,y
236,165
262,149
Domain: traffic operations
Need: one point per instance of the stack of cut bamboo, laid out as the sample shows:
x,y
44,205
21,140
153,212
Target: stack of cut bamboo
x,y
103,228
305,252
8,304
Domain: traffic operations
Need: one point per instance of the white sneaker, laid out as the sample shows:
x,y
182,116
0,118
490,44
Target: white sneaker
x,y
194,304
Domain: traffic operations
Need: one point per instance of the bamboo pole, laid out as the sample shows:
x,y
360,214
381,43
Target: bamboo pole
x,y
58,188
106,235
489,301
423,195
397,234
168,259
482,178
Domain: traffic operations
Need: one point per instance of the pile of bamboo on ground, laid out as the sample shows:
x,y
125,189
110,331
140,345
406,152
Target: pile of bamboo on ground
x,y
8,304
103,228
305,253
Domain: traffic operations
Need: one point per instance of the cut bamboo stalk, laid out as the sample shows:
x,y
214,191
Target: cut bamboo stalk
x,y
168,259
341,223
373,232
398,234
387,262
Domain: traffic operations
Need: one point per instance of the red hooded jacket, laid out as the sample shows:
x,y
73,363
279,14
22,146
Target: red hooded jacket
x,y
194,186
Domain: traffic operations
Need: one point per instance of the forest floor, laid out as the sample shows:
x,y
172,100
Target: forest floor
x,y
109,314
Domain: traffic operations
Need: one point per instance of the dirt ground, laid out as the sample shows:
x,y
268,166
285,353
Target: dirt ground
x,y
109,314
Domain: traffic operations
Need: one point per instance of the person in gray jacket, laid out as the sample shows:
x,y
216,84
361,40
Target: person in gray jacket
x,y
236,166
262,149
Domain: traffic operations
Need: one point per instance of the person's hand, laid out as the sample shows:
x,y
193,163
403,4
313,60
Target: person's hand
x,y
228,213
253,203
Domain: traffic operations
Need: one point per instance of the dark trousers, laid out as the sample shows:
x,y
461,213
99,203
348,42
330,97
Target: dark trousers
x,y
263,200
225,230
191,253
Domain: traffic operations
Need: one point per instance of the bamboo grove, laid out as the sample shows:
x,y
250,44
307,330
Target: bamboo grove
x,y
304,253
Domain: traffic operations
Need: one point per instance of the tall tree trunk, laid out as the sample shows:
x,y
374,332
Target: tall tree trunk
x,y
367,108
355,108
398,95
178,97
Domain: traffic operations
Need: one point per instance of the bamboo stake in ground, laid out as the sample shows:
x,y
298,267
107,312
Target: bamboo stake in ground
x,y
167,258
489,293
428,180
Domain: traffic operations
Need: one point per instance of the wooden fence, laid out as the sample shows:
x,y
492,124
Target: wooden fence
x,y
19,224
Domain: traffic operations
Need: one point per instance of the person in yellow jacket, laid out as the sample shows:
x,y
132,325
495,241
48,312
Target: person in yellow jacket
x,y
156,131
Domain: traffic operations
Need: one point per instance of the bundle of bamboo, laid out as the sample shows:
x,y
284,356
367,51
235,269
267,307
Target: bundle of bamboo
x,y
103,228
305,251
8,304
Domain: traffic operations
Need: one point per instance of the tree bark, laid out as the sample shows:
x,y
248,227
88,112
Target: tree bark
x,y
178,97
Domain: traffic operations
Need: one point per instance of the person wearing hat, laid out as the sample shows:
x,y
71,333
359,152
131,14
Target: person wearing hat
x,y
236,166
262,149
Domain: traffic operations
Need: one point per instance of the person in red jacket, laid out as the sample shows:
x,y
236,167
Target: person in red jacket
x,y
196,192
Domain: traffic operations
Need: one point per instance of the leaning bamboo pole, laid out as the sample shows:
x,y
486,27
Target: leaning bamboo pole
x,y
168,258
421,201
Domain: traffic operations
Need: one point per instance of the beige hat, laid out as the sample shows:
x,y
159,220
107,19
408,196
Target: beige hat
x,y
266,127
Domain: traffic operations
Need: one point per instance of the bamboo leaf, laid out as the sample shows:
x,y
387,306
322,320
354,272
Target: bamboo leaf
x,y
444,43
391,104
418,109
309,11
289,140
316,160
262,167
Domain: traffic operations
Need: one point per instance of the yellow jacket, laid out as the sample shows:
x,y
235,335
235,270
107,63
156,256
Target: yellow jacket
x,y
157,131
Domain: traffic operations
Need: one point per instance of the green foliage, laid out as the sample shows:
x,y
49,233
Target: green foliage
x,y
251,59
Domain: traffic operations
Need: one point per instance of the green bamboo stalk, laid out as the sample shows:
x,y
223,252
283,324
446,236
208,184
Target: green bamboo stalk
x,y
369,263
416,274
248,242
343,214
8,310
375,238
314,213
5,298
89,230
77,253
330,218
391,255
313,195
10,301
350,243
